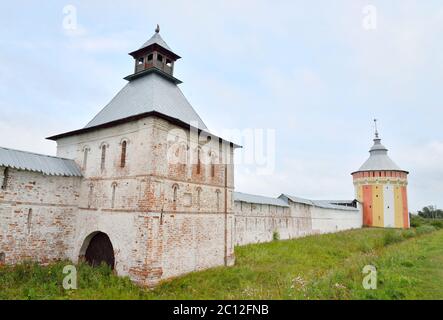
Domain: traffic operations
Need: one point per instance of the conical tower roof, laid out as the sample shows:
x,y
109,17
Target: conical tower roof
x,y
378,158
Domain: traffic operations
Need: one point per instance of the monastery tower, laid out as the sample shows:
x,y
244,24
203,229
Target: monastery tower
x,y
382,188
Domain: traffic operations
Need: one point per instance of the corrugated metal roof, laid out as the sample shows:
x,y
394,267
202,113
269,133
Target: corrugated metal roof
x,y
379,159
156,38
48,165
328,204
151,92
252,198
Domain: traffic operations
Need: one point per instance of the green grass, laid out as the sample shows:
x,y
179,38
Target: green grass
x,y
316,267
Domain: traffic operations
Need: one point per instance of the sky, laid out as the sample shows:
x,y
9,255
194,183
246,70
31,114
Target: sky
x,y
312,75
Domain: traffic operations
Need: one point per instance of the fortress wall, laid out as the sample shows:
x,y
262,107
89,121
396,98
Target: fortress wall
x,y
326,220
256,223
37,215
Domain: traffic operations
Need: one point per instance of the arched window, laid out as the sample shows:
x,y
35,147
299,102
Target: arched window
x,y
114,187
123,155
218,199
103,158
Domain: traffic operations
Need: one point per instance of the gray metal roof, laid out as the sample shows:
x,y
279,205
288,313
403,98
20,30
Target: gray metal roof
x,y
156,38
379,159
151,92
48,165
252,198
327,204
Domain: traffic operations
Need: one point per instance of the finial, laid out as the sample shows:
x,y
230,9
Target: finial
x,y
376,131
157,30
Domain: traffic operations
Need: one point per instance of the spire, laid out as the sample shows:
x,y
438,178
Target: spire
x,y
157,30
376,131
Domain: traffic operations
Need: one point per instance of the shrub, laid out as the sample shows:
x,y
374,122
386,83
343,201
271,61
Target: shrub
x,y
425,229
438,224
275,236
407,234
416,221
392,236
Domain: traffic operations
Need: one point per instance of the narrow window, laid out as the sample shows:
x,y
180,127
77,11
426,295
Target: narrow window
x,y
150,57
174,198
168,63
218,200
85,158
199,190
5,178
90,195
114,187
160,58
123,156
212,166
198,161
141,60
102,166
29,220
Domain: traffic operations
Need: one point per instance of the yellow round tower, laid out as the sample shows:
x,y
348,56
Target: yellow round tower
x,y
381,186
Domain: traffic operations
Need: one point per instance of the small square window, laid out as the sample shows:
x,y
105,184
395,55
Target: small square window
x,y
141,60
160,58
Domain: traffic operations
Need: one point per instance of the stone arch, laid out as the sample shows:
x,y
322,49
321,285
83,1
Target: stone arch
x,y
97,248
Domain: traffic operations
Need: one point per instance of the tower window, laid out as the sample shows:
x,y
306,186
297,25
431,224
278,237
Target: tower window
x,y
85,157
90,195
199,190
114,187
123,155
103,158
5,178
150,57
160,58
168,63
218,200
175,190
29,220
198,161
141,60
212,165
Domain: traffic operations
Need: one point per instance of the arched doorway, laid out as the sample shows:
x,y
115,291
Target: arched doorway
x,y
98,249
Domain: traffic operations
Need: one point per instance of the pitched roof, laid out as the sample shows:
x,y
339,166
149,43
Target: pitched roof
x,y
44,164
326,204
252,198
149,93
379,159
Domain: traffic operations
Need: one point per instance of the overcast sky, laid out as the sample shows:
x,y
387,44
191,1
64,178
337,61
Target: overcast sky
x,y
307,69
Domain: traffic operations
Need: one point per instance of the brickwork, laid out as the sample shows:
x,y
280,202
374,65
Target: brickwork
x,y
37,216
255,223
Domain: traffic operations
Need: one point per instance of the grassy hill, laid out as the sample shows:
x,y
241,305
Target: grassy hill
x,y
317,267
